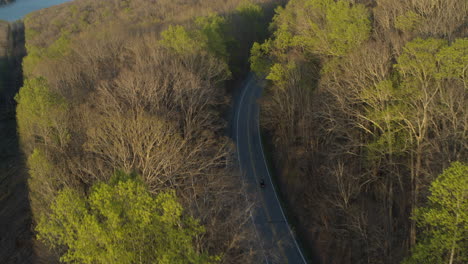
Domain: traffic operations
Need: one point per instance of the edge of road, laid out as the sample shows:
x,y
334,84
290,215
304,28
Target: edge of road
x,y
236,134
299,248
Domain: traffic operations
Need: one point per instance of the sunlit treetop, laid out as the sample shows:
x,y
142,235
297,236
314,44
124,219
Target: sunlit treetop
x,y
121,222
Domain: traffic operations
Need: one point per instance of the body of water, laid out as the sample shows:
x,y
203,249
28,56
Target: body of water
x,y
19,8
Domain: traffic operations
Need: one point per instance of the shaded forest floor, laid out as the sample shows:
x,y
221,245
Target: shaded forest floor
x,y
15,212
16,236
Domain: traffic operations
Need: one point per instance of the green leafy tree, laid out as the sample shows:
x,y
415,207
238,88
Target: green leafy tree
x,y
328,27
121,222
453,61
418,60
249,10
444,222
309,28
59,48
417,67
178,39
211,33
208,35
408,21
41,114
259,58
43,181
384,110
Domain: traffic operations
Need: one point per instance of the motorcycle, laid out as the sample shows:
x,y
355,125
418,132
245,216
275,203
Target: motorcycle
x,y
262,183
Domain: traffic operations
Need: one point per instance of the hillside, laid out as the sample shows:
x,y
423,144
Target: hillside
x,y
123,131
139,87
366,104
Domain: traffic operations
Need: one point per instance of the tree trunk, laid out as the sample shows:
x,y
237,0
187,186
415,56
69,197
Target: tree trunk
x,y
452,251
415,193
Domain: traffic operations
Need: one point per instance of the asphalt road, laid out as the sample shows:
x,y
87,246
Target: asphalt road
x,y
272,228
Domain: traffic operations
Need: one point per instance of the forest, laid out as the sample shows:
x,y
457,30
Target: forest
x,y
365,107
123,120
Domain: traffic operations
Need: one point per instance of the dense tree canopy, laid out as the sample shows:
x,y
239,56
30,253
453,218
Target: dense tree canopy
x,y
320,27
121,222
41,114
139,86
365,104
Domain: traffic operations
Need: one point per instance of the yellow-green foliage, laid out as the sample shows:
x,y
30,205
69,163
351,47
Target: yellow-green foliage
x,y
323,26
346,27
408,21
385,108
60,47
431,60
42,182
41,114
390,104
418,59
421,65
259,62
279,72
178,39
32,59
445,220
454,60
208,36
319,27
248,9
211,33
121,222
57,49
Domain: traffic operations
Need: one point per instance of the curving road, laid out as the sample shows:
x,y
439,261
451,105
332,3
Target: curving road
x,y
271,225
